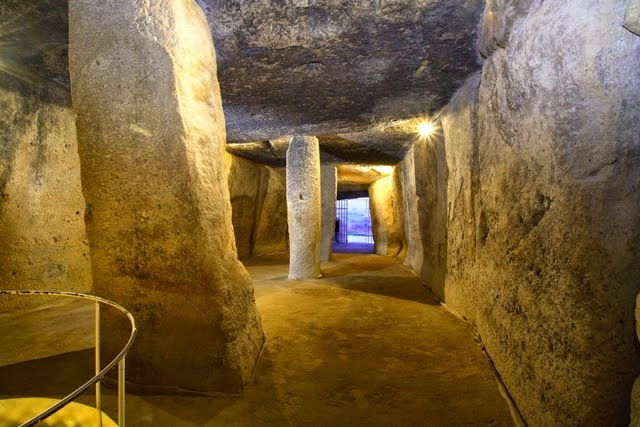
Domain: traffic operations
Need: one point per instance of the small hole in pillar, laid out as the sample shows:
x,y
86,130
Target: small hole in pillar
x,y
300,196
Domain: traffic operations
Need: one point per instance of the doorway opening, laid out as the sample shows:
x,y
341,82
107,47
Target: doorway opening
x,y
353,226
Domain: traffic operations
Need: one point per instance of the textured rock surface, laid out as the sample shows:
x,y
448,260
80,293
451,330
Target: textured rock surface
x,y
42,234
303,207
388,233
33,41
259,207
632,17
244,183
270,231
333,66
431,192
354,180
411,214
424,174
459,126
498,20
554,211
381,145
151,142
348,70
329,184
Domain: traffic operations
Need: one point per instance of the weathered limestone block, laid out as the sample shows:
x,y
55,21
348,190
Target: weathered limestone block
x,y
42,234
270,231
243,178
431,199
414,252
303,207
497,22
459,126
385,225
559,201
632,17
396,177
151,142
329,184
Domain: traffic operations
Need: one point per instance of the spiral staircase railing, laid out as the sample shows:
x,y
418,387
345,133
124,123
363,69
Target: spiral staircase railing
x,y
99,373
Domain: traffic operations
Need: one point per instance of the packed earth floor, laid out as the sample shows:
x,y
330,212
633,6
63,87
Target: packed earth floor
x,y
366,345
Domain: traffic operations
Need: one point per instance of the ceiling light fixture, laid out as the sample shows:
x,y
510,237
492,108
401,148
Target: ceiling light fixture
x,y
425,129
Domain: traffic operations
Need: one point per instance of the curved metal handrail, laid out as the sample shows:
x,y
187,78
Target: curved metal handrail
x,y
119,359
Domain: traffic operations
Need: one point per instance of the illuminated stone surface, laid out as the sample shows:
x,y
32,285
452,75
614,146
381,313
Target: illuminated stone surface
x,y
329,184
385,226
270,231
151,142
244,183
42,235
543,203
259,206
303,207
632,17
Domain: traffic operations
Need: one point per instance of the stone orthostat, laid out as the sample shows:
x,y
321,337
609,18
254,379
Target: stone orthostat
x,y
303,207
151,142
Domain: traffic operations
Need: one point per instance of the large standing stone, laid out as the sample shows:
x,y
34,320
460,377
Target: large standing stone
x,y
270,231
329,183
460,128
386,227
552,196
303,207
431,193
411,214
42,235
243,177
151,141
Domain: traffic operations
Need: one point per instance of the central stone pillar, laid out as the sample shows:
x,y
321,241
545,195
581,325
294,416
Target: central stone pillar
x,y
329,183
303,207
151,139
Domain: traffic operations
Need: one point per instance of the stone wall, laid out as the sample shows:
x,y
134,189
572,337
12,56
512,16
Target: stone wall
x,y
411,214
259,207
385,197
42,234
543,201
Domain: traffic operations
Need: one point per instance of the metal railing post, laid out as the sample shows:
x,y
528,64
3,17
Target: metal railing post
x,y
100,373
97,370
121,408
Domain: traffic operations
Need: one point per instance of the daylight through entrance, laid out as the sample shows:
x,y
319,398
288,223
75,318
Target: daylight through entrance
x,y
353,226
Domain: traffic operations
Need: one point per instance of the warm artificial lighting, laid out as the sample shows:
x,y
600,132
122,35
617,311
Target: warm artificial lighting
x,y
426,129
383,170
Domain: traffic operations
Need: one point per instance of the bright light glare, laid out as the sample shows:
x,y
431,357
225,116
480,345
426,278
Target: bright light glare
x,y
383,170
426,129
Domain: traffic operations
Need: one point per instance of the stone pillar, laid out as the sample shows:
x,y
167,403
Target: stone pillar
x,y
151,141
329,183
303,207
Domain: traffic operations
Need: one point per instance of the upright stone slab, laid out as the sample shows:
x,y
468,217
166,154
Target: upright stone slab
x,y
151,142
329,183
303,207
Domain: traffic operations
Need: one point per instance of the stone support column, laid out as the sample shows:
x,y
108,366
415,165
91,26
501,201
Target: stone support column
x,y
151,138
329,183
303,207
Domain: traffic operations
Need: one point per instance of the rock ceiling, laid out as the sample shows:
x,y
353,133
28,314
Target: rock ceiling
x,y
359,74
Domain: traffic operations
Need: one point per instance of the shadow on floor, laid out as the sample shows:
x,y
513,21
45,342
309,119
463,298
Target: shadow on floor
x,y
54,376
388,286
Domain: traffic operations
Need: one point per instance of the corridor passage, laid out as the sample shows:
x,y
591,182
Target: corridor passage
x,y
364,346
